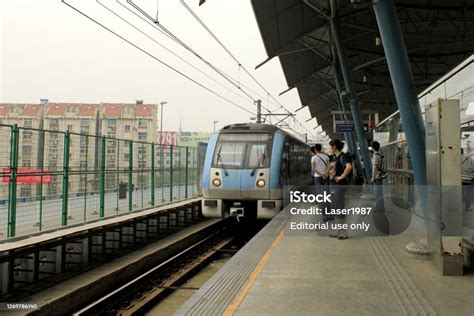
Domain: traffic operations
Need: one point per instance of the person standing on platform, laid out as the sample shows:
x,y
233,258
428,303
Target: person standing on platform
x,y
320,169
377,176
341,168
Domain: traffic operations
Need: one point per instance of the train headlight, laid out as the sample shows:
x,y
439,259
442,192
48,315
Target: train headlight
x,y
261,183
216,182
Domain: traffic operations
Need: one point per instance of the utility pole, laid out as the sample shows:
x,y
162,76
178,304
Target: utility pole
x,y
162,103
259,111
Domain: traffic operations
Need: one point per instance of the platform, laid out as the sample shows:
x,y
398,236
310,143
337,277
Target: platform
x,y
281,272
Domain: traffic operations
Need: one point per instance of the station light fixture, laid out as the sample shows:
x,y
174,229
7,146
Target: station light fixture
x,y
378,41
470,109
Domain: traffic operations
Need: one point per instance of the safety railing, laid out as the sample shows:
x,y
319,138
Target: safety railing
x,y
52,178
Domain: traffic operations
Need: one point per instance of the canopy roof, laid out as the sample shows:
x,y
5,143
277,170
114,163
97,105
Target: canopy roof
x,y
438,34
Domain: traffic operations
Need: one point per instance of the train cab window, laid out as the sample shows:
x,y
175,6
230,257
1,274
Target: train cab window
x,y
229,154
242,150
257,155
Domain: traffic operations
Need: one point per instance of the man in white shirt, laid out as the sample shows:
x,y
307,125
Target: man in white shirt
x,y
320,165
320,169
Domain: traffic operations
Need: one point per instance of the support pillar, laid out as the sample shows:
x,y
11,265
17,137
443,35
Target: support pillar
x,y
340,101
356,117
349,136
259,111
403,84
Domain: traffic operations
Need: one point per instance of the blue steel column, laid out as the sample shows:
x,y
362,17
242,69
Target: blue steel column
x,y
356,117
349,136
403,84
342,107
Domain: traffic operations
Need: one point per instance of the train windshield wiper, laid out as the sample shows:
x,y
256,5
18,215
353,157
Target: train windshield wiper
x,y
259,164
219,158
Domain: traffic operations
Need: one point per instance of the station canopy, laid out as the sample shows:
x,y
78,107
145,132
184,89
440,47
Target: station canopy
x,y
438,34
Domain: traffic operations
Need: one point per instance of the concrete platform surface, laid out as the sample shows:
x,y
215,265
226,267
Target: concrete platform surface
x,y
317,275
308,273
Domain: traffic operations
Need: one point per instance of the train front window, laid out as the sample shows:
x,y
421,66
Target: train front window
x,y
235,151
229,154
257,154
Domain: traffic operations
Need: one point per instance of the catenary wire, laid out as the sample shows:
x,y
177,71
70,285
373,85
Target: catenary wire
x,y
235,58
162,28
168,50
187,47
154,57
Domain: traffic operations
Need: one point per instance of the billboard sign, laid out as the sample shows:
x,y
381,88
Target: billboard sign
x,y
191,139
31,176
167,138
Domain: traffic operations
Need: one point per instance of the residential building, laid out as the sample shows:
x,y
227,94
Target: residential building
x,y
45,150
128,121
77,119
30,118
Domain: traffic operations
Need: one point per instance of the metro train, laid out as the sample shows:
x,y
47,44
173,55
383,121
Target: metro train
x,y
247,169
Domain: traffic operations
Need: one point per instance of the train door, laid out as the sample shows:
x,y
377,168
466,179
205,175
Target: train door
x,y
285,164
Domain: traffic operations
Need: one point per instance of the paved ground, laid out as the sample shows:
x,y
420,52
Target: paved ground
x,y
308,273
312,274
360,276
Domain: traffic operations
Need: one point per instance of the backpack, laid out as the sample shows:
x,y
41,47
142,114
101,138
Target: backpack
x,y
350,176
382,167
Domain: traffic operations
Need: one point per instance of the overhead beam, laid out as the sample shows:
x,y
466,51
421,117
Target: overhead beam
x,y
284,53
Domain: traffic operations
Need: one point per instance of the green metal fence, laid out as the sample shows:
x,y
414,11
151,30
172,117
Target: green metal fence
x,y
52,179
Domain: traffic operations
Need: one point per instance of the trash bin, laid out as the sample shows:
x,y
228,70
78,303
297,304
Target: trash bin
x,y
123,188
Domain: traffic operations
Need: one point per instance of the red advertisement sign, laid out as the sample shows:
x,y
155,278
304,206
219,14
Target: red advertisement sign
x,y
167,138
29,178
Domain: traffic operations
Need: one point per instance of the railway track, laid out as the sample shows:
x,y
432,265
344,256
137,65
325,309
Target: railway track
x,y
145,291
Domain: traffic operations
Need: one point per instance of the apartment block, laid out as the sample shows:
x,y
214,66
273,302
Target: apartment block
x,y
128,121
29,116
77,119
45,150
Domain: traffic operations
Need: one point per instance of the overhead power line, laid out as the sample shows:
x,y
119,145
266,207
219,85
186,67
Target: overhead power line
x,y
227,77
164,47
154,23
154,57
201,22
235,82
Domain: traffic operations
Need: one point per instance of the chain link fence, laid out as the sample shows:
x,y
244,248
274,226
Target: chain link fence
x,y
52,179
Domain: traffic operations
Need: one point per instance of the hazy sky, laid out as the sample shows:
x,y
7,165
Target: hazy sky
x,y
50,51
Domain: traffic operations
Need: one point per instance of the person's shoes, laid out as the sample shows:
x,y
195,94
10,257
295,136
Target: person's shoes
x,y
335,233
342,234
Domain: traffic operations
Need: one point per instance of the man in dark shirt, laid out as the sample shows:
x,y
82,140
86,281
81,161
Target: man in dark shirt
x,y
377,176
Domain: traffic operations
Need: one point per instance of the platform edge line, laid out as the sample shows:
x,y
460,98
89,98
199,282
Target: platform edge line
x,y
230,310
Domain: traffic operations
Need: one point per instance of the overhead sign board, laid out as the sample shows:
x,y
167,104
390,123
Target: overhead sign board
x,y
347,127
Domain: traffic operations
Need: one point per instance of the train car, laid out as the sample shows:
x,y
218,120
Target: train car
x,y
247,169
